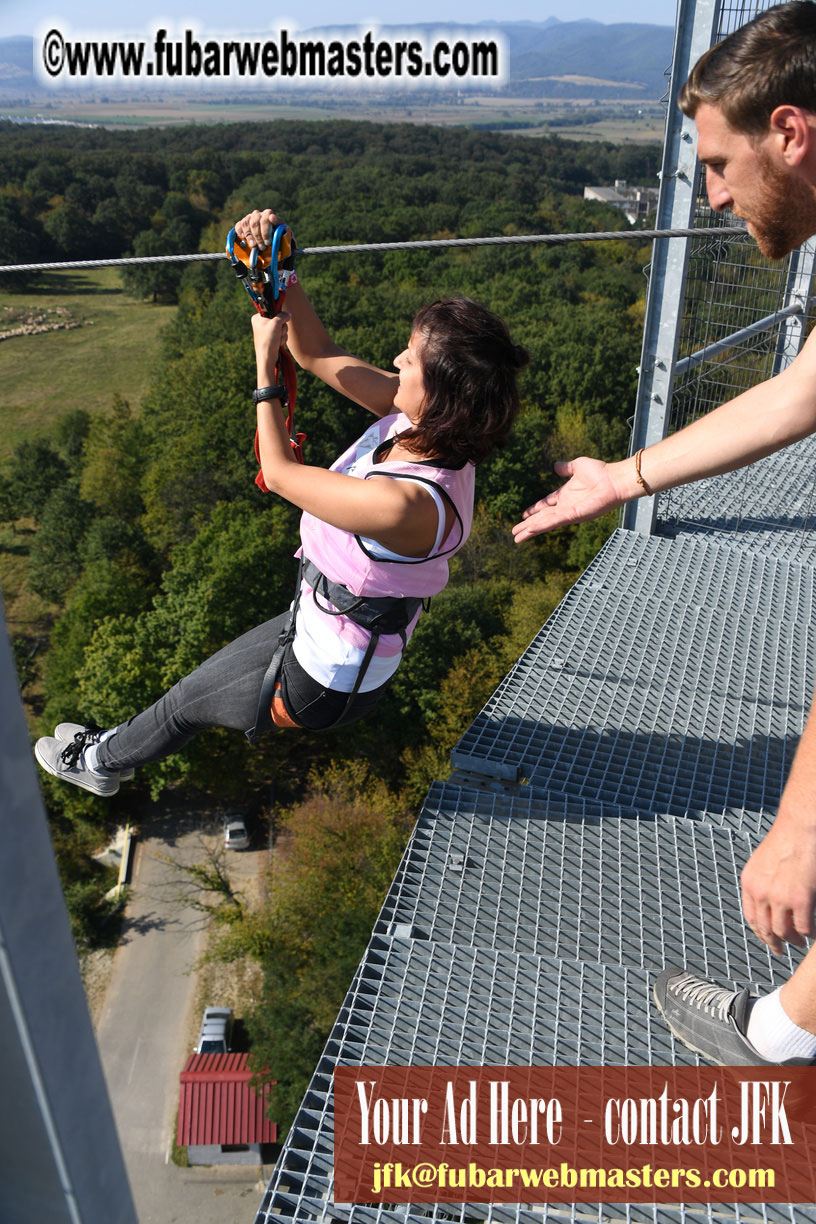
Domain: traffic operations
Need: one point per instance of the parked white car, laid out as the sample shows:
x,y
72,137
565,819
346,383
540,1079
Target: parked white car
x,y
236,834
216,1031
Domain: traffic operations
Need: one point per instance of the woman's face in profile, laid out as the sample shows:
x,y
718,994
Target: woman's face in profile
x,y
411,393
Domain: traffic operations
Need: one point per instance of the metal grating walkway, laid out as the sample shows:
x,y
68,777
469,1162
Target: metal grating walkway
x,y
417,1002
517,876
601,809
779,525
650,687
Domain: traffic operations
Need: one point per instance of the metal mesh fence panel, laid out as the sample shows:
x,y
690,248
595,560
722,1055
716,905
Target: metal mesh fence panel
x,y
731,286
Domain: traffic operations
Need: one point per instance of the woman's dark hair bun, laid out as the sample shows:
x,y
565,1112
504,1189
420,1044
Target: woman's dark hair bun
x,y
521,356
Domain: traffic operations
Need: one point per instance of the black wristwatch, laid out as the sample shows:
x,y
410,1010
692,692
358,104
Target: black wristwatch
x,y
268,393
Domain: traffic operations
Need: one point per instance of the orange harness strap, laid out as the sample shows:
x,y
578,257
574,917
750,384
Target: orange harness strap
x,y
280,715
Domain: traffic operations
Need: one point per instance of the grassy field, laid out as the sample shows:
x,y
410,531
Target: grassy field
x,y
47,373
646,129
620,120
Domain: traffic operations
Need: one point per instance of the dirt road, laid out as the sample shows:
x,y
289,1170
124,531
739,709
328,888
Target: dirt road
x,y
143,1039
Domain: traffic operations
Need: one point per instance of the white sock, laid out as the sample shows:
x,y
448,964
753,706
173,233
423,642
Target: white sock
x,y
91,758
773,1034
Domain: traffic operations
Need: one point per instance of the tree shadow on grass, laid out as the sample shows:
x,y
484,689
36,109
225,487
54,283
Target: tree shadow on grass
x,y
58,284
15,548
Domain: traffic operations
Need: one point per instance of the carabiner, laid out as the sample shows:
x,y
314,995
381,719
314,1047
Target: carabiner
x,y
266,276
274,259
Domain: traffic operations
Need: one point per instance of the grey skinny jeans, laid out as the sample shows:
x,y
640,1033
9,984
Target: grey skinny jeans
x,y
224,692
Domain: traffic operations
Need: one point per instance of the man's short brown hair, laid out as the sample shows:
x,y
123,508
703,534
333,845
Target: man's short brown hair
x,y
769,62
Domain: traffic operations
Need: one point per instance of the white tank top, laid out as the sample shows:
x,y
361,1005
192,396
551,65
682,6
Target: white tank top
x,y
321,652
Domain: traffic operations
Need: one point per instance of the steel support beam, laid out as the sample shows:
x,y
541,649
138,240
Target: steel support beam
x,y
797,292
59,1154
696,25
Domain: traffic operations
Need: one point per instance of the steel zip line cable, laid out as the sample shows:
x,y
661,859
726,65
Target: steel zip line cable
x,y
421,244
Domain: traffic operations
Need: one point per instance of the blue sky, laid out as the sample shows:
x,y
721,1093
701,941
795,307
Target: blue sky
x,y
111,17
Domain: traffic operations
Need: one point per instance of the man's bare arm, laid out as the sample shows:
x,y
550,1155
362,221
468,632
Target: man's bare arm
x,y
762,420
779,879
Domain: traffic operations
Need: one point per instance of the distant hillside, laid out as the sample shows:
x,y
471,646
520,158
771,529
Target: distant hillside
x,y
609,61
632,56
17,61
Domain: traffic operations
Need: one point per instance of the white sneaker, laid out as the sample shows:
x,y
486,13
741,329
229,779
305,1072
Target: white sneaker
x,y
66,761
69,730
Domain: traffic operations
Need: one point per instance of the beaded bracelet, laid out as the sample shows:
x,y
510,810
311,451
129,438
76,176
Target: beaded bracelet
x,y
639,475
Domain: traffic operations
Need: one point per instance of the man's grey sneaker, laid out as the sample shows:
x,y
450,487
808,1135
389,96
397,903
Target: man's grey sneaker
x,y
65,761
710,1020
70,730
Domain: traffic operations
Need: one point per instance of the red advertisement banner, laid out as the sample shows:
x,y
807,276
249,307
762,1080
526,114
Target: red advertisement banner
x,y
575,1134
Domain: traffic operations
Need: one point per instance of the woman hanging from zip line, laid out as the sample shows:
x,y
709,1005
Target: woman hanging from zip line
x,y
377,531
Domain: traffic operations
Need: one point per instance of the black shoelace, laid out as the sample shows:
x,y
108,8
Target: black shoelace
x,y
74,749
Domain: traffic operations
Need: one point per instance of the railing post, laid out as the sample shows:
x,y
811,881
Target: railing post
x,y
797,291
696,24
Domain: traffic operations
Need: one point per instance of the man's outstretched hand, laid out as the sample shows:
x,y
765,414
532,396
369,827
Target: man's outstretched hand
x,y
589,492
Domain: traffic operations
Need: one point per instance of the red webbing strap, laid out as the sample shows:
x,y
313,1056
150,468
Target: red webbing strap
x,y
286,373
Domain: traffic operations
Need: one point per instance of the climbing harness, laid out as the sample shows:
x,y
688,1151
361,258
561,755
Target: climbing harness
x,y
266,275
377,614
